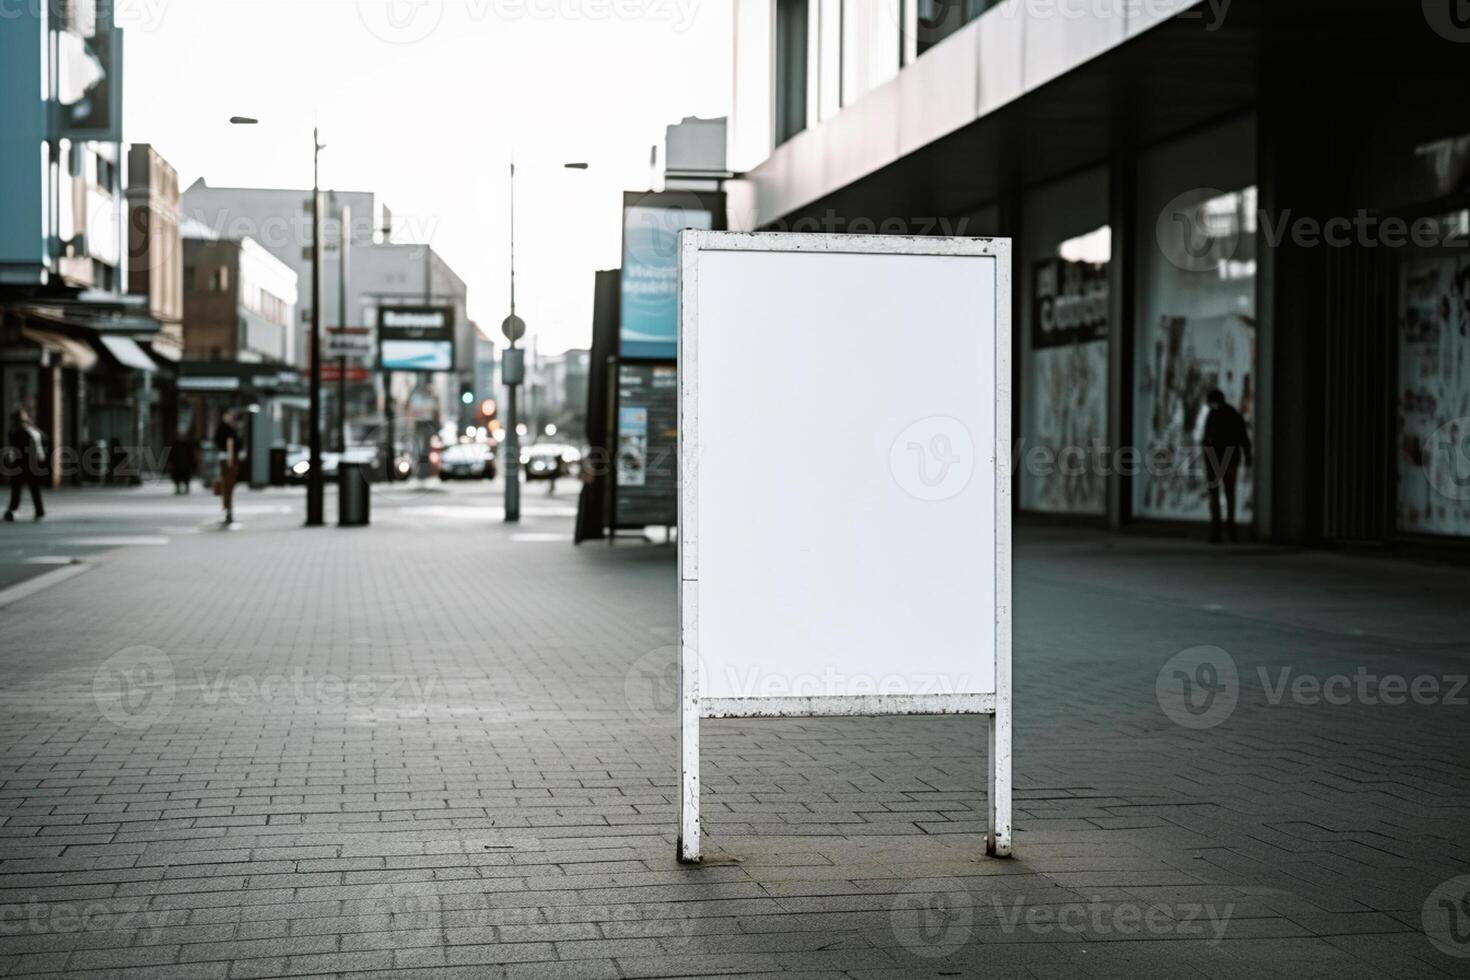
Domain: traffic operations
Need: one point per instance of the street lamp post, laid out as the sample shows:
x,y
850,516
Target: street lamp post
x,y
314,508
314,516
513,369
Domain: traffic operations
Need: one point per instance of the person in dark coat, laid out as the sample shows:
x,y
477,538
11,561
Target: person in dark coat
x,y
25,462
1227,445
181,462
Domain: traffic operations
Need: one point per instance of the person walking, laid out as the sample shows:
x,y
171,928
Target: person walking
x,y
25,462
1227,444
227,440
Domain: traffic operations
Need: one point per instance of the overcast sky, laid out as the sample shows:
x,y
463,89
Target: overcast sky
x,y
423,102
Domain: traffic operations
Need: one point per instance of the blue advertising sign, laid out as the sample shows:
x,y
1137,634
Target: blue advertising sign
x,y
416,338
650,275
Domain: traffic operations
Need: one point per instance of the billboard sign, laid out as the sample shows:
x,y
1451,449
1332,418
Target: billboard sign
x,y
645,473
892,595
356,344
416,338
649,303
89,92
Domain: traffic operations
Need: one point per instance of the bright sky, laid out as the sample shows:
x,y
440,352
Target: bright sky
x,y
423,102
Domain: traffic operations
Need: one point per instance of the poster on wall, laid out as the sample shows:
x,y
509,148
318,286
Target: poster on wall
x,y
1069,332
645,475
1434,397
633,446
1189,356
649,299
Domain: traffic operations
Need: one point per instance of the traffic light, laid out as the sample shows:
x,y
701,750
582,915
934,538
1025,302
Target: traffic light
x,y
467,395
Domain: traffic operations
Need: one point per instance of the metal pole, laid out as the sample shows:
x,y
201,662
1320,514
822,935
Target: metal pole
x,y
512,439
388,419
314,506
344,219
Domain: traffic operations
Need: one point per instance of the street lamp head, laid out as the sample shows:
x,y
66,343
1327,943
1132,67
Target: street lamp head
x,y
243,121
575,166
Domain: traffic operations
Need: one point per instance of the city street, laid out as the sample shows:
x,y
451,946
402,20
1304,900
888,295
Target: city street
x,y
448,745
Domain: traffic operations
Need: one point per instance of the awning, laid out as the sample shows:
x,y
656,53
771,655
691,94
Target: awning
x,y
127,353
73,353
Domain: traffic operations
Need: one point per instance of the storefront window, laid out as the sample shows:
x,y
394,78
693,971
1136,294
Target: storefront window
x,y
1196,327
1434,386
1065,352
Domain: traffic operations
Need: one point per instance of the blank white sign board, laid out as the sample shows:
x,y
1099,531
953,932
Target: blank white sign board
x,y
845,487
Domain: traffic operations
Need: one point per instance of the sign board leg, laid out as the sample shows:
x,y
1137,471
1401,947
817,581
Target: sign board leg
x,y
998,802
688,848
689,780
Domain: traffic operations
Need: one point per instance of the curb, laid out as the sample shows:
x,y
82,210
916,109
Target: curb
x,y
41,582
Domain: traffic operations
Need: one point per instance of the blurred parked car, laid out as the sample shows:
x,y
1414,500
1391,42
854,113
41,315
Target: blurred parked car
x,y
298,462
549,460
467,461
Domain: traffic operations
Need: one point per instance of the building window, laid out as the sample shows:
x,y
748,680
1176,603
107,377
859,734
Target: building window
x,y
1196,313
1433,470
1067,246
791,50
219,280
938,19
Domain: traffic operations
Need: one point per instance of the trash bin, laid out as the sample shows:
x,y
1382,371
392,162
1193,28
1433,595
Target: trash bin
x,y
352,494
278,466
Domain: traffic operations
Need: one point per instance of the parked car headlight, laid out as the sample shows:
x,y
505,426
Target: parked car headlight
x,y
301,467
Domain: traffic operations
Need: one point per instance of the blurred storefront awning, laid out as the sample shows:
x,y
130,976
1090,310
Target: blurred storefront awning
x,y
73,353
127,353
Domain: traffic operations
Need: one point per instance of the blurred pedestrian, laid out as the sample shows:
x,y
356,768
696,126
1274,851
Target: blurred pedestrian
x,y
25,462
1227,444
227,440
182,461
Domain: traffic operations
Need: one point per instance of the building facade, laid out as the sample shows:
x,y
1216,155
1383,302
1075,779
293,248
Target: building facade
x,y
1269,199
74,341
377,272
238,340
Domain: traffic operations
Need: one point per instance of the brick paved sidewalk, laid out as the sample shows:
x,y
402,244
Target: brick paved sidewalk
x,y
445,746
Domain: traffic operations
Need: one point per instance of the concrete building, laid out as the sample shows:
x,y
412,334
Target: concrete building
x,y
556,394
1271,199
155,271
239,311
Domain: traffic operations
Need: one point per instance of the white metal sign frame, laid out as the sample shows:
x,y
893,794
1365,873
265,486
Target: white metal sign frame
x,y
693,707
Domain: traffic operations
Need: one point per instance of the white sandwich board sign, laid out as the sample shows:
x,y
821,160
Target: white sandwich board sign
x,y
844,509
